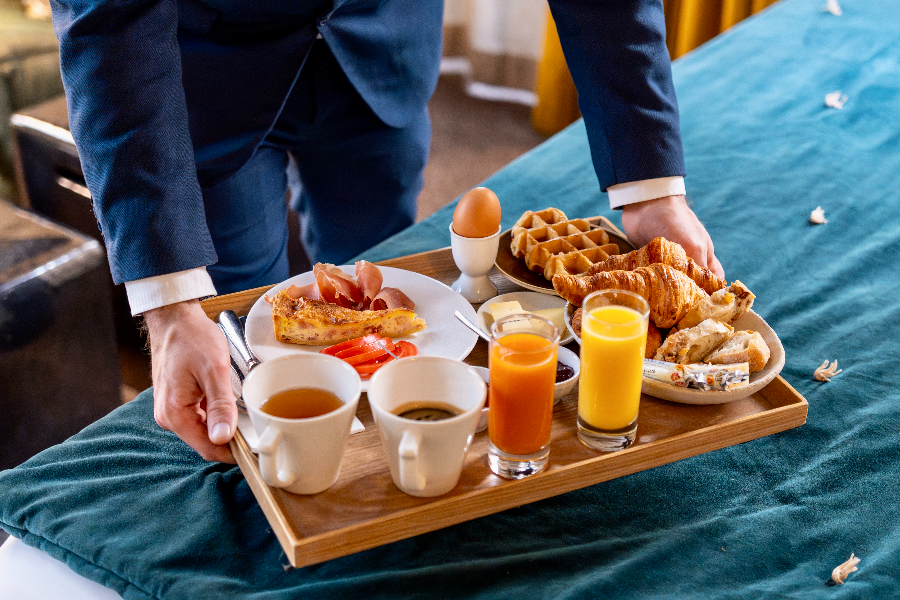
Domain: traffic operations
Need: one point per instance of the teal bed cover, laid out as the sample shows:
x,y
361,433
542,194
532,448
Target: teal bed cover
x,y
128,505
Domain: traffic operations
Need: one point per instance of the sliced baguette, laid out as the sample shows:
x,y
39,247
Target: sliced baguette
x,y
744,346
725,305
693,344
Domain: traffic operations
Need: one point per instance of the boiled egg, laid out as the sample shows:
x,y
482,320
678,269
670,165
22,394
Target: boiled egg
x,y
477,214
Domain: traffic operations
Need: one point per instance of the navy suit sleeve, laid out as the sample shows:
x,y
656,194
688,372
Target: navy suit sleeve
x,y
616,52
122,72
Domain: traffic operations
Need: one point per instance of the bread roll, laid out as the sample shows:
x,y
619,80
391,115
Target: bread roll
x,y
744,346
692,345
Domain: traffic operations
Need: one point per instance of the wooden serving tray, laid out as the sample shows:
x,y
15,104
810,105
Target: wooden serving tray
x,y
364,509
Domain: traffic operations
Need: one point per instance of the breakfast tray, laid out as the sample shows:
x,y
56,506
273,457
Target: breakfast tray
x,y
364,509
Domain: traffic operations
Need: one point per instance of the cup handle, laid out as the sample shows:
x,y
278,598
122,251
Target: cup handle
x,y
268,459
408,452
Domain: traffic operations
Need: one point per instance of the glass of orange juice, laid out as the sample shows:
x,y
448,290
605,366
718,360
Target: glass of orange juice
x,y
522,373
613,338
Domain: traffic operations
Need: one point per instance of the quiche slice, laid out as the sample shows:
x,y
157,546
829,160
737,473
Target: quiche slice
x,y
312,322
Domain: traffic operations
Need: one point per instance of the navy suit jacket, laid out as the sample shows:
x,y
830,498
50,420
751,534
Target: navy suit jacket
x,y
166,96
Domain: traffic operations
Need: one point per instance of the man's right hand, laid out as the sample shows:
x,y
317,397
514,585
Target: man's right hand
x,y
192,378
673,219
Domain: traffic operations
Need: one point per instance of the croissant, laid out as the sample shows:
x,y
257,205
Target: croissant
x,y
670,293
661,250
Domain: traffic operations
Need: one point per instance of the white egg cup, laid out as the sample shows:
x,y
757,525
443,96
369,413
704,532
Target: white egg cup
x,y
474,257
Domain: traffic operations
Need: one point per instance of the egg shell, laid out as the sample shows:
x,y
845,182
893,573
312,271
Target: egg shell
x,y
477,214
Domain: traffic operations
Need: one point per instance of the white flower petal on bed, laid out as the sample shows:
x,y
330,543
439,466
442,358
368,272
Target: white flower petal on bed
x,y
817,216
841,571
833,7
835,100
825,372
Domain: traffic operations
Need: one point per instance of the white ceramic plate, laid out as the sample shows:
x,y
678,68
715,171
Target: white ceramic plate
x,y
443,335
750,321
528,301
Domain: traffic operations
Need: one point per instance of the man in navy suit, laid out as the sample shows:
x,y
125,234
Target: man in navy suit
x,y
187,112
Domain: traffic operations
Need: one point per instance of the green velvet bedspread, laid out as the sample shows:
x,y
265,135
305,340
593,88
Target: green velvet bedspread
x,y
125,503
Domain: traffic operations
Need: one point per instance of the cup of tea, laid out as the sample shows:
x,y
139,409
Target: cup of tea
x,y
302,408
426,409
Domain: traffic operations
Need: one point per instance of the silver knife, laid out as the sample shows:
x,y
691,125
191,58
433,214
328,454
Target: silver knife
x,y
234,331
233,328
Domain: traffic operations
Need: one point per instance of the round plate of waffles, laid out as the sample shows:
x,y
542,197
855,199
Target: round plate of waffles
x,y
546,242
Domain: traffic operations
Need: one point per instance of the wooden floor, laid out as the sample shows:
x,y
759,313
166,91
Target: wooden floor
x,y
471,140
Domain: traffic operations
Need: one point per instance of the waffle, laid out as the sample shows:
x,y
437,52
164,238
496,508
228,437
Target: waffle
x,y
550,243
535,227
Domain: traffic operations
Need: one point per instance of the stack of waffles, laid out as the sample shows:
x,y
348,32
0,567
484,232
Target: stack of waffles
x,y
551,243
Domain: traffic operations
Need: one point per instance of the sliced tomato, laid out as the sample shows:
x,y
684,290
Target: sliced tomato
x,y
402,349
378,345
365,357
354,343
372,366
405,349
369,353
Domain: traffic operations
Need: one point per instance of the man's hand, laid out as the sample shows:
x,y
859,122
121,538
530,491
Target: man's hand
x,y
673,219
192,379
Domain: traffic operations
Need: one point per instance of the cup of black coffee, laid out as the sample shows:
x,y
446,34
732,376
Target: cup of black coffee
x,y
426,409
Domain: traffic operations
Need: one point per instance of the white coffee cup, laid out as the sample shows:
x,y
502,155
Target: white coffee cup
x,y
303,456
426,457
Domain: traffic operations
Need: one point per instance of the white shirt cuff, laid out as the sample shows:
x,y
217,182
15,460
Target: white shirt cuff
x,y
161,290
647,189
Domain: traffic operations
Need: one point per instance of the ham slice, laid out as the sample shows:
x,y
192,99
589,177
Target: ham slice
x,y
369,280
336,287
310,292
392,298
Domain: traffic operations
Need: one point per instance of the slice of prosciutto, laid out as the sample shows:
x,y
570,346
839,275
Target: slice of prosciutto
x,y
310,292
336,287
392,298
362,292
369,280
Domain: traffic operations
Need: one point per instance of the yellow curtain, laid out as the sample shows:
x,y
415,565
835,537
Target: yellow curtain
x,y
689,23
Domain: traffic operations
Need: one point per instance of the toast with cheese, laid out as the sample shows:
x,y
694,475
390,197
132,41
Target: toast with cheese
x,y
312,322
